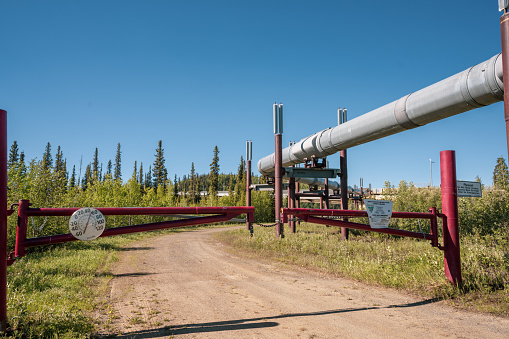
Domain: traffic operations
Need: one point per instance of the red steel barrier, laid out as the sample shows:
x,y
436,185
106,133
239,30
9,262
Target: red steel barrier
x,y
212,215
316,216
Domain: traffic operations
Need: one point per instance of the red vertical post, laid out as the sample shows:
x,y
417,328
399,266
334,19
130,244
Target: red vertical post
x,y
344,190
297,201
249,152
504,29
452,260
3,221
21,232
278,167
278,181
291,202
344,175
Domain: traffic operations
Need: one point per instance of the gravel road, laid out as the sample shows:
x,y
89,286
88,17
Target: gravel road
x,y
185,285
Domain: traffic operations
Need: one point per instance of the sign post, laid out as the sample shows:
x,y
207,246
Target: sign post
x,y
379,212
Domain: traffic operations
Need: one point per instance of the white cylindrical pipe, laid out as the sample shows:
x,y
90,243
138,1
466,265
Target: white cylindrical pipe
x,y
478,86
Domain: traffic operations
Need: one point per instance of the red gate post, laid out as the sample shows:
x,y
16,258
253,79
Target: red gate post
x,y
3,221
291,203
344,176
452,260
249,154
21,232
278,168
504,29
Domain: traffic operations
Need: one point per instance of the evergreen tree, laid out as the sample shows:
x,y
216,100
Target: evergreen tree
x,y
22,167
59,162
140,176
214,175
118,169
109,167
160,175
95,167
13,155
72,181
148,177
135,171
175,188
87,179
194,190
501,175
47,159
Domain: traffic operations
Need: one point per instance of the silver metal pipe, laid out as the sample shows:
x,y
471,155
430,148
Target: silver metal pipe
x,y
478,86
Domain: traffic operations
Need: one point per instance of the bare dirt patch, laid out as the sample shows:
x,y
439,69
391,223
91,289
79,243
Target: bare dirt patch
x,y
185,285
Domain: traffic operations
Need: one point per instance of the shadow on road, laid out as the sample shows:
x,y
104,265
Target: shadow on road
x,y
249,323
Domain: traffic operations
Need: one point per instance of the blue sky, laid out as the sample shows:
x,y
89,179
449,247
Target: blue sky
x,y
196,74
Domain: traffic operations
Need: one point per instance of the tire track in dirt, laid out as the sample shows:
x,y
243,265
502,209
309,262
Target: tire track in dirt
x,y
183,285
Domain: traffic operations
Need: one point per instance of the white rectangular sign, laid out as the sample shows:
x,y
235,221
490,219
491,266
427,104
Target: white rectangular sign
x,y
379,212
469,189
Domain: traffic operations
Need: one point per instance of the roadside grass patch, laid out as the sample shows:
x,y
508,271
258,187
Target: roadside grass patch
x,y
401,263
53,291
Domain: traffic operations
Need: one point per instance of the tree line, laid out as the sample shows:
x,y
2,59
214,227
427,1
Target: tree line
x,y
49,182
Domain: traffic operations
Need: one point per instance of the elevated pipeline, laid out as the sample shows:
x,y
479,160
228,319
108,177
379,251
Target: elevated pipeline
x,y
477,86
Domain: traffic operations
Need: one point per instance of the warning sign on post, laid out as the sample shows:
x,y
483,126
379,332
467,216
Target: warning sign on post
x,y
469,189
379,212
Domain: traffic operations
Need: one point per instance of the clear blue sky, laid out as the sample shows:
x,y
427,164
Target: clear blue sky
x,y
196,74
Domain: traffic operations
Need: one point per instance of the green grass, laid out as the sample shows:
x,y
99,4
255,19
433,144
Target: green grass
x,y
401,263
54,291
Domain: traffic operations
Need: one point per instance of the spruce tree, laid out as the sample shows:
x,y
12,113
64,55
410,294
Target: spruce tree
x,y
59,162
72,181
47,159
95,167
13,155
160,175
175,188
118,169
87,179
501,175
109,167
135,171
194,189
140,176
214,175
22,167
148,177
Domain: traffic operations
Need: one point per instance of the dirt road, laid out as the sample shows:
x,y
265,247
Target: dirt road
x,y
185,286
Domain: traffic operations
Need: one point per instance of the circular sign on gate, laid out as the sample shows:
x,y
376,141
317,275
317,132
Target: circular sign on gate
x,y
87,223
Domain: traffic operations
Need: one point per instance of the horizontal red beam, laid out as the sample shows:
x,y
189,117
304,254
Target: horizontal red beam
x,y
353,225
67,211
314,216
352,213
60,238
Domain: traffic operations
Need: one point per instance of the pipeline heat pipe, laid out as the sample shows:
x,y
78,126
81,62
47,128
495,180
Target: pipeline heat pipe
x,y
477,86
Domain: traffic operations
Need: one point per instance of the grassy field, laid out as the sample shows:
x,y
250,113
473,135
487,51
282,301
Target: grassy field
x,y
400,263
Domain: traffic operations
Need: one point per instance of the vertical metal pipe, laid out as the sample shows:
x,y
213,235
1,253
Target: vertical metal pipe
x,y
249,156
248,191
344,183
278,182
291,203
504,29
278,170
452,259
3,221
21,232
